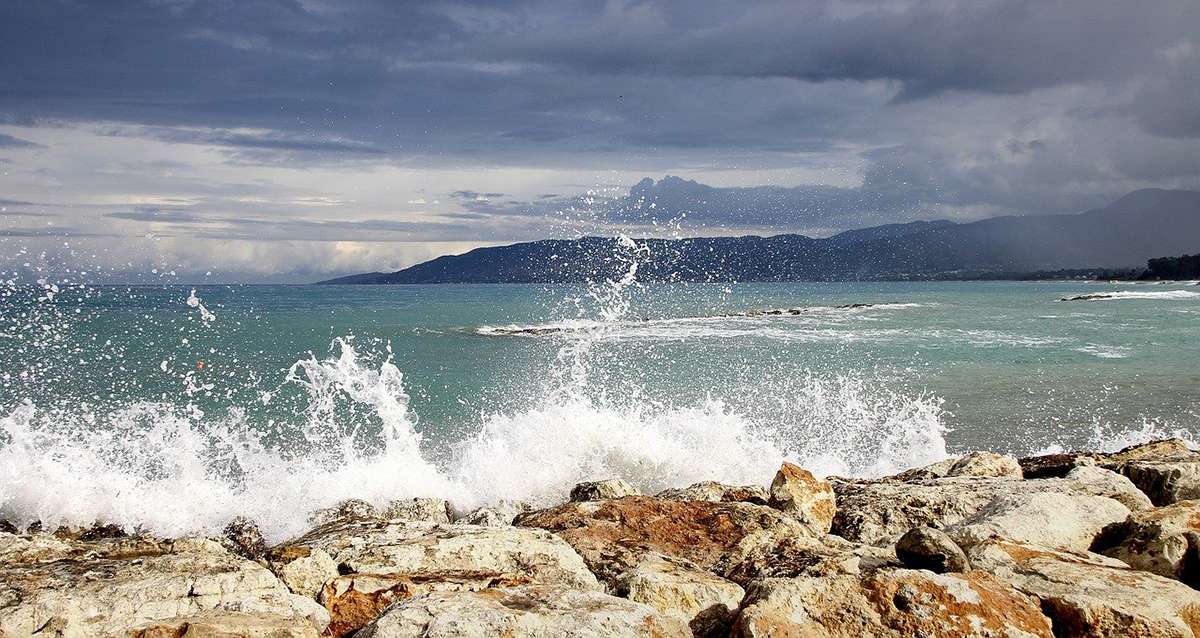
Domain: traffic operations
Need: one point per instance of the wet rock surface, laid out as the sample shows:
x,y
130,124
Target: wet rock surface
x,y
602,490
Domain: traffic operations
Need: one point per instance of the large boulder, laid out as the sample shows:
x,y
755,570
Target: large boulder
x,y
221,624
805,556
805,497
890,603
415,510
1166,480
602,490
1107,483
420,510
879,512
928,548
978,464
117,586
497,514
1165,541
717,493
704,602
612,536
1087,594
377,563
1059,464
1050,519
531,611
986,464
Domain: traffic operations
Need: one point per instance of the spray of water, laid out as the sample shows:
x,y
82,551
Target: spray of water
x,y
174,468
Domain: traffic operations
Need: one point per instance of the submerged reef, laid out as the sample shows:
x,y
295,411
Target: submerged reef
x,y
984,544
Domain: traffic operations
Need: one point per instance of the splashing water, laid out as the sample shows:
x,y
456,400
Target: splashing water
x,y
188,454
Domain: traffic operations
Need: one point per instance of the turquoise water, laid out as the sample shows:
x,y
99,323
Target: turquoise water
x,y
116,399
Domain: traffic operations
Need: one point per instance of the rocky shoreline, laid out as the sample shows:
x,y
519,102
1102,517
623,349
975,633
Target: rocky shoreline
x,y
987,545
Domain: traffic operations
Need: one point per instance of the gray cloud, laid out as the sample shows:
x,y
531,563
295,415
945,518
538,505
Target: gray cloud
x,y
810,116
8,141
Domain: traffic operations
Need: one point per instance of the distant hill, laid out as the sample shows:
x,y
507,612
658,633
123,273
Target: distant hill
x,y
1125,234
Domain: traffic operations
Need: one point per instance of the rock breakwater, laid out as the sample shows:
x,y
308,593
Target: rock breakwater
x,y
984,545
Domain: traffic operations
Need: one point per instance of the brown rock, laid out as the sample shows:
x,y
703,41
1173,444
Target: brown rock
x,y
1087,594
417,510
1058,465
612,536
805,497
1054,465
891,603
986,464
379,562
497,514
1049,519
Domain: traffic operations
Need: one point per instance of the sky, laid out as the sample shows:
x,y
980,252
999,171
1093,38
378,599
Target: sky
x,y
294,140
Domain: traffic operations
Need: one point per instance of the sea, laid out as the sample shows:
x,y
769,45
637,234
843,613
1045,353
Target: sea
x,y
173,408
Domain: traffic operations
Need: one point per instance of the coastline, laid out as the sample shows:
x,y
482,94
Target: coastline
x,y
1082,543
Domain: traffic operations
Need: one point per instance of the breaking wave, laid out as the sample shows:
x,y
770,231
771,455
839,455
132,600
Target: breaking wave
x,y
193,463
1135,294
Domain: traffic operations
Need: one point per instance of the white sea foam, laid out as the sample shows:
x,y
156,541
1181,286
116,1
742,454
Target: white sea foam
x,y
615,322
193,301
1104,436
1103,351
174,471
1134,294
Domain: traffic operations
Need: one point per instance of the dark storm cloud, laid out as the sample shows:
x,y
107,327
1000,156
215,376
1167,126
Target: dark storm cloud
x,y
980,107
458,77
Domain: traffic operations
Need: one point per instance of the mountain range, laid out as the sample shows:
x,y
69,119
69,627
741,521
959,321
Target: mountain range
x,y
1125,234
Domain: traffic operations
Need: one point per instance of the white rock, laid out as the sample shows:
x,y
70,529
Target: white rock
x,y
1050,519
111,587
496,514
701,600
531,611
1088,594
